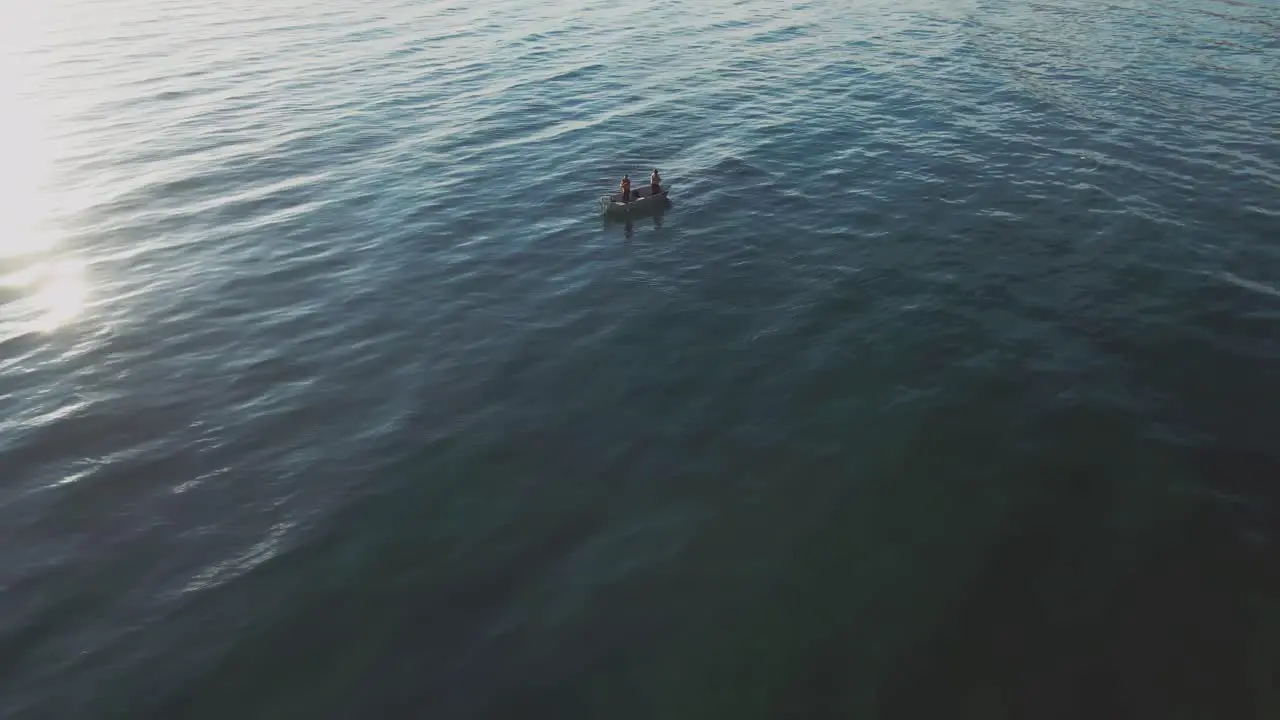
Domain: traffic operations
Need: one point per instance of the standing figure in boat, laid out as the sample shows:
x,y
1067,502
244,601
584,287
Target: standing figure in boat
x,y
655,183
626,188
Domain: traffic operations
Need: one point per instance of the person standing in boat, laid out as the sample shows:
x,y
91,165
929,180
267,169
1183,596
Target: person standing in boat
x,y
626,188
655,182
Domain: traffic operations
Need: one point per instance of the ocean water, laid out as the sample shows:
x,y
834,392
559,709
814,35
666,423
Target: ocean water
x,y
946,385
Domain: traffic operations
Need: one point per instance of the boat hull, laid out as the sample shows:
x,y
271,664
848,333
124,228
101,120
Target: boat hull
x,y
642,201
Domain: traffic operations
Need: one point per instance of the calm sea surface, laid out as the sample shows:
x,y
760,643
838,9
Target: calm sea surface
x,y
947,385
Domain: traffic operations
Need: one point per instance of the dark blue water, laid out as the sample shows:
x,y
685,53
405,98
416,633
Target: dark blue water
x,y
945,386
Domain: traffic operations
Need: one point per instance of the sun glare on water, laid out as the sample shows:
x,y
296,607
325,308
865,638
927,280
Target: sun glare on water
x,y
41,287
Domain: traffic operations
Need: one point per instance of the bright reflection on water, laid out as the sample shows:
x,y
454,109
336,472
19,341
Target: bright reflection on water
x,y
41,288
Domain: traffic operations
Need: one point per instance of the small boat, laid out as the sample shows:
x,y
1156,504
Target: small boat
x,y
642,200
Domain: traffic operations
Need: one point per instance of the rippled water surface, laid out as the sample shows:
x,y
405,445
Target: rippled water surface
x,y
946,384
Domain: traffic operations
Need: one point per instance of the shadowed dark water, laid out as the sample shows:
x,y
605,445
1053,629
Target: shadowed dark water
x,y
946,386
